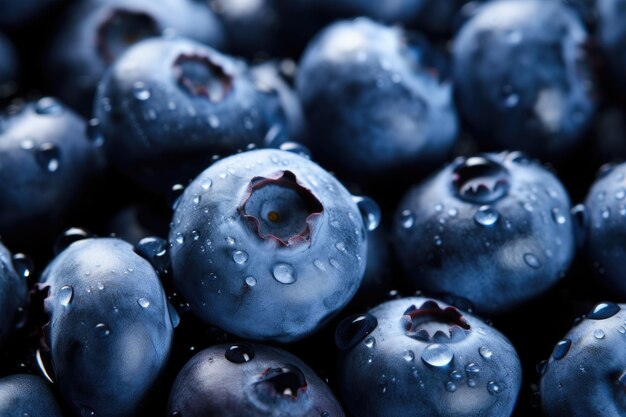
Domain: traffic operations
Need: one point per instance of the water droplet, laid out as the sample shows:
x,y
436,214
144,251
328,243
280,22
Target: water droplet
x,y
558,217
456,375
140,91
48,156
180,239
102,330
599,334
240,257
65,295
408,355
230,240
407,219
603,311
370,211
561,349
620,194
510,98
48,106
622,379
100,286
485,352
284,273
353,329
437,355
471,383
87,412
94,132
250,281
486,216
370,342
240,353
296,148
472,368
23,265
451,386
174,317
494,388
206,184
214,121
532,261
143,302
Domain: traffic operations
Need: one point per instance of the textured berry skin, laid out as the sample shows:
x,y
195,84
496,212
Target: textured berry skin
x,y
606,208
13,295
110,332
257,381
421,357
47,159
8,64
374,102
167,106
586,373
240,270
95,33
494,229
27,395
522,76
612,35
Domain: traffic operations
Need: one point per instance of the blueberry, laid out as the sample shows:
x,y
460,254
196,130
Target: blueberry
x,y
522,76
493,228
47,159
181,105
586,373
110,332
27,396
612,35
421,357
95,33
374,101
267,245
251,380
606,214
13,296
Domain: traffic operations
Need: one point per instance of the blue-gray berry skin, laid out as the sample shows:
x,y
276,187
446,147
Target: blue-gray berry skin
x,y
522,76
421,357
110,332
168,107
267,245
27,396
586,373
94,33
13,296
374,102
47,159
250,380
493,228
606,231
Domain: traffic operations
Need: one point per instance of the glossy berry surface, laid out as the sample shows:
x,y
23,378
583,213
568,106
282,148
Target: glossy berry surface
x,y
27,395
264,234
193,102
110,332
47,157
244,379
374,100
523,78
421,357
492,228
94,33
586,373
607,226
13,296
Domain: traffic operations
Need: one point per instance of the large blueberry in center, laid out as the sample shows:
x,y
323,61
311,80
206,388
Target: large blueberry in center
x,y
281,209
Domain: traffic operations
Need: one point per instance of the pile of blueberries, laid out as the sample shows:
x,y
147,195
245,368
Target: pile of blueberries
x,y
312,208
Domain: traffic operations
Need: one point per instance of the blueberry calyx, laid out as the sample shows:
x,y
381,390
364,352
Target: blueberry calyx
x,y
480,180
121,29
431,323
202,77
287,382
280,209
